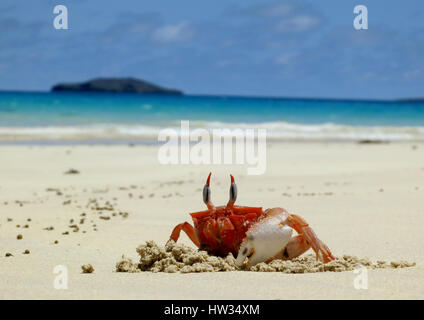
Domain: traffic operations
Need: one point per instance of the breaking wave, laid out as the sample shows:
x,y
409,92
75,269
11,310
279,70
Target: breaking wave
x,y
276,131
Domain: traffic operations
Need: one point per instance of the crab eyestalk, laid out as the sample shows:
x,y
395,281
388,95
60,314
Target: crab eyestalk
x,y
207,194
233,193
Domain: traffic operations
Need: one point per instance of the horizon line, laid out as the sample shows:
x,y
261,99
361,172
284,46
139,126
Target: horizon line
x,y
231,96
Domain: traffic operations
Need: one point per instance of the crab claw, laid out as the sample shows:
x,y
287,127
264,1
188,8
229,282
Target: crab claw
x,y
271,238
263,241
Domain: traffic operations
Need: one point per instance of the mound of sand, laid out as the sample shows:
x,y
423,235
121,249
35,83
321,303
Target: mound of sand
x,y
180,258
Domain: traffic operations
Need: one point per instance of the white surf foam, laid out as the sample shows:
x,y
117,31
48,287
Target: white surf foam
x,y
278,131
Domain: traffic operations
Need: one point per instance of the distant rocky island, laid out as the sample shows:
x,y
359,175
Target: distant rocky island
x,y
117,85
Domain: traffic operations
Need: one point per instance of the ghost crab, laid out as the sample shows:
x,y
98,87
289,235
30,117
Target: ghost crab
x,y
250,233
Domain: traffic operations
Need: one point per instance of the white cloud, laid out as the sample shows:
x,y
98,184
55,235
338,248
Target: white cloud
x,y
284,59
298,23
174,33
278,10
412,74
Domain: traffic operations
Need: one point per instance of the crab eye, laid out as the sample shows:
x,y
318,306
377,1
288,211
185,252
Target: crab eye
x,y
206,194
244,251
233,192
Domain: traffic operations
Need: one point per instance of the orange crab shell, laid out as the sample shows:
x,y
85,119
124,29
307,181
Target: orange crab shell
x,y
221,231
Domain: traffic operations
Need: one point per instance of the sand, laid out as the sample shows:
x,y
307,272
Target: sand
x,y
363,200
174,257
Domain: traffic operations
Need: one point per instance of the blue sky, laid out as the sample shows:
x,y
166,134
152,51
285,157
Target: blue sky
x,y
257,48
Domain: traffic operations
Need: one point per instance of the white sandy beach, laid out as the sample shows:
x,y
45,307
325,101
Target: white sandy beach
x,y
363,200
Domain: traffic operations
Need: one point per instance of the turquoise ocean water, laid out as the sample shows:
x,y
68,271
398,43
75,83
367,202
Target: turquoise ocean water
x,y
90,116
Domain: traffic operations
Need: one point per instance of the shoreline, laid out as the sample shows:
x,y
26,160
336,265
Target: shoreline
x,y
151,142
148,133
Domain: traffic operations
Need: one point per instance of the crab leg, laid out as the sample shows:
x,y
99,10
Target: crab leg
x,y
188,229
307,237
296,246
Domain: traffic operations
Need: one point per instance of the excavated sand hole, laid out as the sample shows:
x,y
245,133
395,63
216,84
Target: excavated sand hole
x,y
180,258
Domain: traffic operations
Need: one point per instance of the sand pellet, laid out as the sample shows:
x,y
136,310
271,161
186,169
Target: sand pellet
x,y
87,268
179,258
